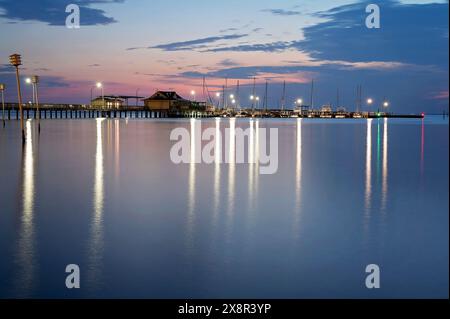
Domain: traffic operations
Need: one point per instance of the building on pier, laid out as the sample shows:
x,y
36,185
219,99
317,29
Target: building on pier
x,y
107,103
166,101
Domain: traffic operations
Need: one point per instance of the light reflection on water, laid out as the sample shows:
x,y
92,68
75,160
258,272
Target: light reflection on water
x,y
368,187
384,191
298,181
140,218
96,240
26,258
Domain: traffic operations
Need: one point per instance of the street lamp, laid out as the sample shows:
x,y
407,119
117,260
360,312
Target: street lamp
x,y
299,102
2,89
16,61
218,99
193,94
257,102
34,82
100,86
137,97
386,104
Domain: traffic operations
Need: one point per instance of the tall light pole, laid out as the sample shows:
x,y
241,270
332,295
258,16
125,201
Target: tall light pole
x,y
35,82
2,89
28,81
100,86
385,106
92,88
369,103
137,98
232,99
218,99
16,61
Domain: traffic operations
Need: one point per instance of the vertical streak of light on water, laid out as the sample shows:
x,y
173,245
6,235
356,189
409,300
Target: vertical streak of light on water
x,y
191,187
298,181
96,233
231,171
251,161
117,148
217,173
231,181
26,258
368,184
384,187
256,166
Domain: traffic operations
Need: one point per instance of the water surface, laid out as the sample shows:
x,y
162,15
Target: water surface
x,y
105,195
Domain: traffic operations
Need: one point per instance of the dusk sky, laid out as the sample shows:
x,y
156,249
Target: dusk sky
x,y
171,45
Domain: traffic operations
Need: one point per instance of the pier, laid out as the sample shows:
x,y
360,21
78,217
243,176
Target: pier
x,y
79,111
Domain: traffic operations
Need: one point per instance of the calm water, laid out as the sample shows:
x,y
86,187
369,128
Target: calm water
x,y
105,195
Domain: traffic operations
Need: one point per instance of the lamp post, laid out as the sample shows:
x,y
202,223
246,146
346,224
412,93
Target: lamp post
x,y
100,86
137,98
257,102
252,98
193,95
218,99
2,89
35,82
369,103
92,88
16,61
232,98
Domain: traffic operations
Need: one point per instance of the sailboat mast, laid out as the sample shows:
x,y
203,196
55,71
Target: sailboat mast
x,y
266,97
225,93
204,89
283,98
237,96
223,96
253,94
337,99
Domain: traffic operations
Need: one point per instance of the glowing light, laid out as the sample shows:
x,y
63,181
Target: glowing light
x,y
299,101
369,101
27,80
252,97
217,94
386,104
232,96
99,85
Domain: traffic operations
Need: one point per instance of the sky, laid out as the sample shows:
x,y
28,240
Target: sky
x,y
172,44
